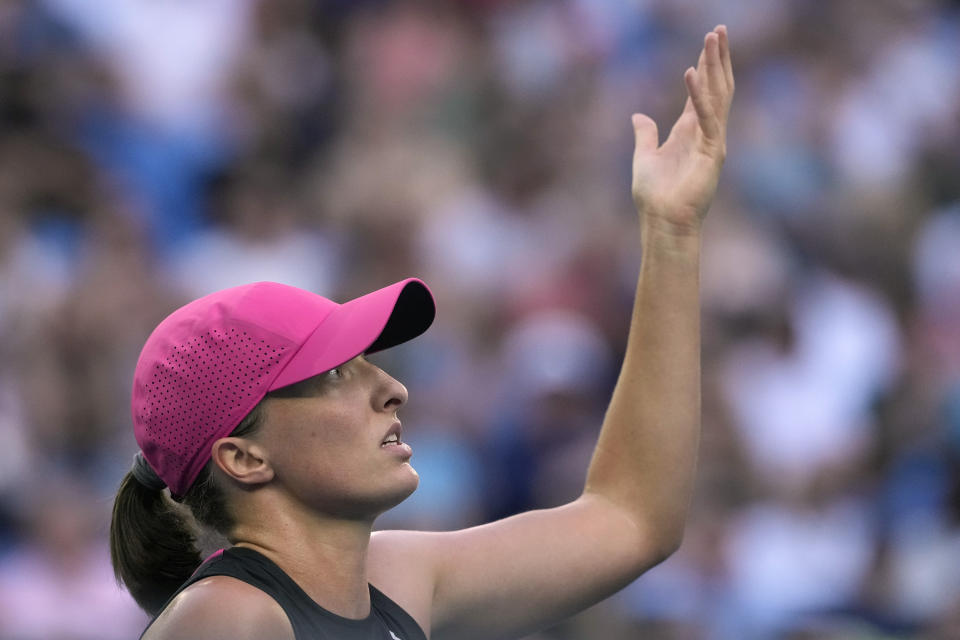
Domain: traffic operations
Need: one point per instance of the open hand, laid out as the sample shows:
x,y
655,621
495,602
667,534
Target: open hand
x,y
673,184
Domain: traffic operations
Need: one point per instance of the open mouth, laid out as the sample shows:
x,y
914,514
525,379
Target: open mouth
x,y
393,439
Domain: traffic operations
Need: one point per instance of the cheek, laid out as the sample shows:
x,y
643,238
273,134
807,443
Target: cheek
x,y
315,429
327,449
302,442
331,446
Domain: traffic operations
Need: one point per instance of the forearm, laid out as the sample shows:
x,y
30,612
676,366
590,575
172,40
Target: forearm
x,y
646,454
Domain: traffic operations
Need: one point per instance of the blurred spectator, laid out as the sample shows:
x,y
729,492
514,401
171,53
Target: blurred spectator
x,y
172,60
58,582
247,245
802,397
555,365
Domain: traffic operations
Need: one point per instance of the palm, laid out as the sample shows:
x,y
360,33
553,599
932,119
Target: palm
x,y
676,181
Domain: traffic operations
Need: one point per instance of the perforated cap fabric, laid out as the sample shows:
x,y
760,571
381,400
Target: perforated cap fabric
x,y
211,361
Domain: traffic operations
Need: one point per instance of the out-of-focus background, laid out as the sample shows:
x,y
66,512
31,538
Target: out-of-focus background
x,y
152,151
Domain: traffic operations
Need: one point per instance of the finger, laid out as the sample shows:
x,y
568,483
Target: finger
x,y
725,60
705,115
645,132
715,80
702,71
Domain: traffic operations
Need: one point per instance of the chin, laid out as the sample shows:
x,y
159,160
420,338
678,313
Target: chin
x,y
405,488
400,486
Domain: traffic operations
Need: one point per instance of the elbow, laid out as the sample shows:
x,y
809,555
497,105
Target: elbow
x,y
670,544
660,542
641,539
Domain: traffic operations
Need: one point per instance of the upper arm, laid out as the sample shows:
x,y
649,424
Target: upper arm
x,y
515,575
221,608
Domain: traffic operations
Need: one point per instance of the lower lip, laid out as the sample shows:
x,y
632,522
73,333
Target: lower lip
x,y
402,450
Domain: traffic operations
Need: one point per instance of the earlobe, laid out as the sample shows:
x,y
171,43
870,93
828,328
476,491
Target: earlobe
x,y
242,460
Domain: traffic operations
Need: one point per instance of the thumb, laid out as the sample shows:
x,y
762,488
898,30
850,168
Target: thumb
x,y
645,131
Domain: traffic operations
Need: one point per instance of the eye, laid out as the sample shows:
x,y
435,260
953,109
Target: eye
x,y
336,372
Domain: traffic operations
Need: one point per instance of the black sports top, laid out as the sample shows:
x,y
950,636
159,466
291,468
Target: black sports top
x,y
310,621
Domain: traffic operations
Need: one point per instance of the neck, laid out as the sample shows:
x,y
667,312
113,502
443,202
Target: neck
x,y
327,557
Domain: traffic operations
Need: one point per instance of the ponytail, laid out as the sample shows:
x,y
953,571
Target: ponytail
x,y
154,541
152,545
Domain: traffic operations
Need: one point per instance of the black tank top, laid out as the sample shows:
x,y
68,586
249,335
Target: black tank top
x,y
310,621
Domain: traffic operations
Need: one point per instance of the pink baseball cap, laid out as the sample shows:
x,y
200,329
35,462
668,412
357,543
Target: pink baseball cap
x,y
211,361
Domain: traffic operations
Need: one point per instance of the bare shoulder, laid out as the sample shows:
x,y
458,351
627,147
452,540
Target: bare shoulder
x,y
221,607
402,564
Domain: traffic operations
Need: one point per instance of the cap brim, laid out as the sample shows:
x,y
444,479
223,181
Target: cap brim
x,y
373,322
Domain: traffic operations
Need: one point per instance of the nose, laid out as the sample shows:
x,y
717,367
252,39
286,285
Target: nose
x,y
390,394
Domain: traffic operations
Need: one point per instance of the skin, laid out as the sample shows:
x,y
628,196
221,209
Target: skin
x,y
312,513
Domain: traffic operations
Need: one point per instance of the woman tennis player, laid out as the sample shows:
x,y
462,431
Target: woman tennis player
x,y
255,408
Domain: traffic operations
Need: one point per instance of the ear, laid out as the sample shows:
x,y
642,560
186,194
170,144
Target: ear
x,y
242,460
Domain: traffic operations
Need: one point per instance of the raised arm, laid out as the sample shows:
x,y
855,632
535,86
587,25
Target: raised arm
x,y
645,457
507,578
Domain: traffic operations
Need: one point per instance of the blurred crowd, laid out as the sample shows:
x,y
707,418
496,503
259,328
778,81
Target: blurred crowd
x,y
154,151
